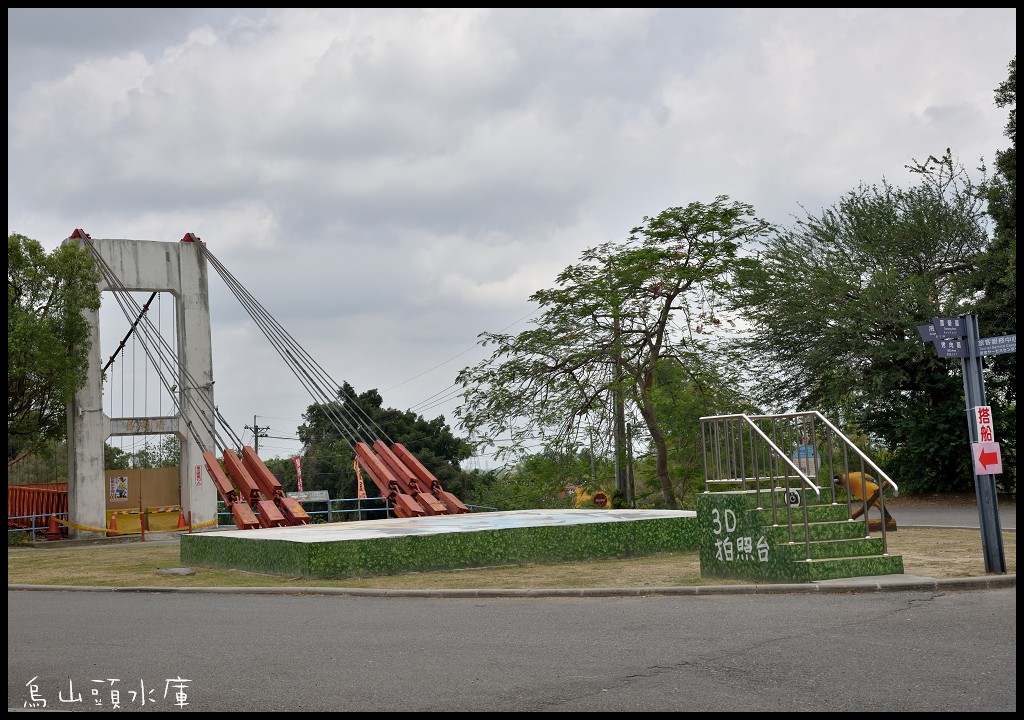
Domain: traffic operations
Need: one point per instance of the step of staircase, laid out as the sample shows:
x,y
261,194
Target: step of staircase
x,y
835,568
808,543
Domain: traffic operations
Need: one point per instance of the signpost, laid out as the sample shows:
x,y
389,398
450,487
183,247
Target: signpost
x,y
314,496
600,499
310,496
999,345
958,337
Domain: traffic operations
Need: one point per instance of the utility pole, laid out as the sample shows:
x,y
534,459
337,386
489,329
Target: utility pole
x,y
257,432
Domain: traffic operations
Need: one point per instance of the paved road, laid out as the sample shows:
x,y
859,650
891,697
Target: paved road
x,y
944,648
911,514
891,651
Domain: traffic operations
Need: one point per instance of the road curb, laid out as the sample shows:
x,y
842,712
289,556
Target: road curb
x,y
895,583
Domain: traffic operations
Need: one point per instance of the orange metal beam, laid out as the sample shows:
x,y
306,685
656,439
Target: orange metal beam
x,y
271,487
430,504
405,504
245,519
268,513
427,480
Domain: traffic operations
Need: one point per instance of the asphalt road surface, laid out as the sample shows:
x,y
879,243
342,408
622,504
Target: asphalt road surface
x,y
884,652
914,650
910,513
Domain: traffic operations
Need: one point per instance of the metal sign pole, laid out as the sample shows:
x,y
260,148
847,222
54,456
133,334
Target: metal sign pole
x,y
984,485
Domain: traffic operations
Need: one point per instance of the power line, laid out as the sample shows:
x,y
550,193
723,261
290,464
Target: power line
x,y
516,322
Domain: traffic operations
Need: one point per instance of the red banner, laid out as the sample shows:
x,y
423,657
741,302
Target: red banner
x,y
298,470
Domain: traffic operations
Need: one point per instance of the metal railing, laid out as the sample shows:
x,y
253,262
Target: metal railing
x,y
772,455
32,524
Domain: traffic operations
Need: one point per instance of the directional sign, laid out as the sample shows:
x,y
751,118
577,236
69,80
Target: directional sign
x,y
987,458
927,332
983,419
949,327
998,345
950,347
310,496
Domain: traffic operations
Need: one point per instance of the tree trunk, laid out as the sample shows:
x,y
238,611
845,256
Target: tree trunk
x,y
668,493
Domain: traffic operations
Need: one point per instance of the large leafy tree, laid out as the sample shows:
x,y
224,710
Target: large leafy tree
x,y
590,365
833,304
996,282
328,454
47,337
683,394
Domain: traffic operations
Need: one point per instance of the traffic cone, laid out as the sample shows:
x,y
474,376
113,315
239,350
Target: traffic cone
x,y
53,530
112,530
181,521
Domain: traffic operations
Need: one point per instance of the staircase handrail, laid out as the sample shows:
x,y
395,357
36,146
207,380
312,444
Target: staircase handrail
x,y
836,432
775,448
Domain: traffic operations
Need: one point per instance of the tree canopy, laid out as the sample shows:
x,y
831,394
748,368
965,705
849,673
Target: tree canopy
x,y
48,339
833,304
995,282
328,454
590,366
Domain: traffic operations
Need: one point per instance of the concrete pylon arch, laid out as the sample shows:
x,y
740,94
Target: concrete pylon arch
x,y
138,265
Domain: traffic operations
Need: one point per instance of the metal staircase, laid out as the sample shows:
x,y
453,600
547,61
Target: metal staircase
x,y
771,510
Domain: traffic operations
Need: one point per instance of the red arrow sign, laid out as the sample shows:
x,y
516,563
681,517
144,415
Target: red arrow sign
x,y
987,458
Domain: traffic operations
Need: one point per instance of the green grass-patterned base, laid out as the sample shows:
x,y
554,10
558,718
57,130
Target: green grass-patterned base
x,y
741,539
443,551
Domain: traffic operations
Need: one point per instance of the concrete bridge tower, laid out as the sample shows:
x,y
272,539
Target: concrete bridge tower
x,y
180,269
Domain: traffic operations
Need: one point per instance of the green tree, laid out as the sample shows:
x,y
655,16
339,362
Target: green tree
x,y
165,453
47,337
539,480
833,304
684,393
329,451
996,282
591,363
47,464
115,458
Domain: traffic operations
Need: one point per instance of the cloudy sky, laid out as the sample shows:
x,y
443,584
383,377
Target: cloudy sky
x,y
390,183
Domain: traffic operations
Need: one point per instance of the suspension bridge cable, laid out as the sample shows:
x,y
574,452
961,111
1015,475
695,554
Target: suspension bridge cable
x,y
270,330
349,418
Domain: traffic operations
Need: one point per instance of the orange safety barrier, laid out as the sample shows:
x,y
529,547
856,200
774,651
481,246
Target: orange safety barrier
x,y
165,518
124,522
24,501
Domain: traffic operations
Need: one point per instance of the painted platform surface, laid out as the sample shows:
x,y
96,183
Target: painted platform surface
x,y
382,547
438,524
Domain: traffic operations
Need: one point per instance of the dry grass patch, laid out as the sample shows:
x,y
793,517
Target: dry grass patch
x,y
945,553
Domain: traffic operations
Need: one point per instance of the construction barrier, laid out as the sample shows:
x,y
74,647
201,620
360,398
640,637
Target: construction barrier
x,y
64,524
25,501
124,522
166,518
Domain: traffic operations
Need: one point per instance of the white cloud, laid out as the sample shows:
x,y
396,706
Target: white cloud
x,y
390,183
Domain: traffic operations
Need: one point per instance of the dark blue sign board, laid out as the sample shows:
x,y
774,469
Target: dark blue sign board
x,y
998,345
949,327
927,332
951,348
